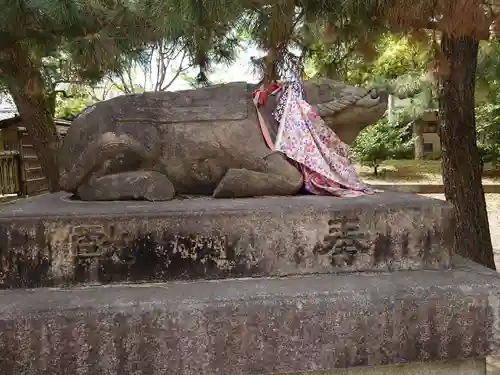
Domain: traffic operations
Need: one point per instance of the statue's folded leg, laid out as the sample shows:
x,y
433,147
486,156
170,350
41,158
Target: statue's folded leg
x,y
135,185
280,178
108,148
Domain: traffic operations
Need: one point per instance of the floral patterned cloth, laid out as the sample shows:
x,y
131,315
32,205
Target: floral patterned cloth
x,y
304,138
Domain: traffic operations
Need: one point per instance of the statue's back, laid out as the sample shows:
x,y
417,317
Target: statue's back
x,y
184,130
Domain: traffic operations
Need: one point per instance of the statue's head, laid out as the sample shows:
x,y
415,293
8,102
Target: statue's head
x,y
344,108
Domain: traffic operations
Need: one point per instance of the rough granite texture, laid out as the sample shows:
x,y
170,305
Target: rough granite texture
x,y
52,241
205,141
459,367
252,326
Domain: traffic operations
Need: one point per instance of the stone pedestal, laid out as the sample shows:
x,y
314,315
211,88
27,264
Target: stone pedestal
x,y
342,286
51,240
301,324
461,367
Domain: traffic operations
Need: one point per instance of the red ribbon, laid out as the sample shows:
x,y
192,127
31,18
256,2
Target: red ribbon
x,y
265,93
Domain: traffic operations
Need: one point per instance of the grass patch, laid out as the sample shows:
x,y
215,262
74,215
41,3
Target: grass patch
x,y
416,172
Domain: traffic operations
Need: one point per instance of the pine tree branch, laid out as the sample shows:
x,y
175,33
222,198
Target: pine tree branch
x,y
164,60
179,71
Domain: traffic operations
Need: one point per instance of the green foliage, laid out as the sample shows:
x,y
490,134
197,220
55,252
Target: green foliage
x,y
83,41
382,141
488,131
395,57
400,66
68,106
338,60
91,36
399,55
489,153
488,72
401,70
206,28
488,122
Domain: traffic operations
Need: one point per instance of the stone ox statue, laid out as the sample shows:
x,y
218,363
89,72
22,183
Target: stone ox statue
x,y
156,145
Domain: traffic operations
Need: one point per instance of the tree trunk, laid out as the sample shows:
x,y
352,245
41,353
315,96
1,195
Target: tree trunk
x,y
27,91
419,139
460,156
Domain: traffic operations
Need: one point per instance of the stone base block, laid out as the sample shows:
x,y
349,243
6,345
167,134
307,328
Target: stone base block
x,y
463,367
298,324
50,240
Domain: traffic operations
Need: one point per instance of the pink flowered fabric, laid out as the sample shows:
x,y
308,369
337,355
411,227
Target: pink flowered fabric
x,y
323,158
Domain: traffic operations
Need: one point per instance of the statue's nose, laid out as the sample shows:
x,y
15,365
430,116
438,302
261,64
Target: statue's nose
x,y
382,95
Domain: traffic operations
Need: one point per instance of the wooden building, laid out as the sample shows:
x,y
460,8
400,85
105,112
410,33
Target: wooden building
x,y
20,169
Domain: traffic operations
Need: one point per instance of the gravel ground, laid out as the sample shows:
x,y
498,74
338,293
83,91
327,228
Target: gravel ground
x,y
416,172
493,205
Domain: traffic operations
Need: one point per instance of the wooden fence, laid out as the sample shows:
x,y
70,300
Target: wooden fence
x,y
34,180
11,174
21,173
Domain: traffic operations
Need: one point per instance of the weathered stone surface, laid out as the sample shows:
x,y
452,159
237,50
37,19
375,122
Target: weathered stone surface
x,y
203,141
458,367
51,240
252,326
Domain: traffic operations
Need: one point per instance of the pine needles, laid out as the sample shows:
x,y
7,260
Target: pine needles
x,y
98,33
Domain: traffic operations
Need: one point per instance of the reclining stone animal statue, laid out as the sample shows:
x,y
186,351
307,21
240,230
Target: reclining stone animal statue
x,y
156,145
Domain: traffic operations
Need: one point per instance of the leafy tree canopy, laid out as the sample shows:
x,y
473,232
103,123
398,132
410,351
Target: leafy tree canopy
x,y
44,42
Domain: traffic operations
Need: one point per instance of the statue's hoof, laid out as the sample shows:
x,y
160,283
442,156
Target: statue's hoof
x,y
136,185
